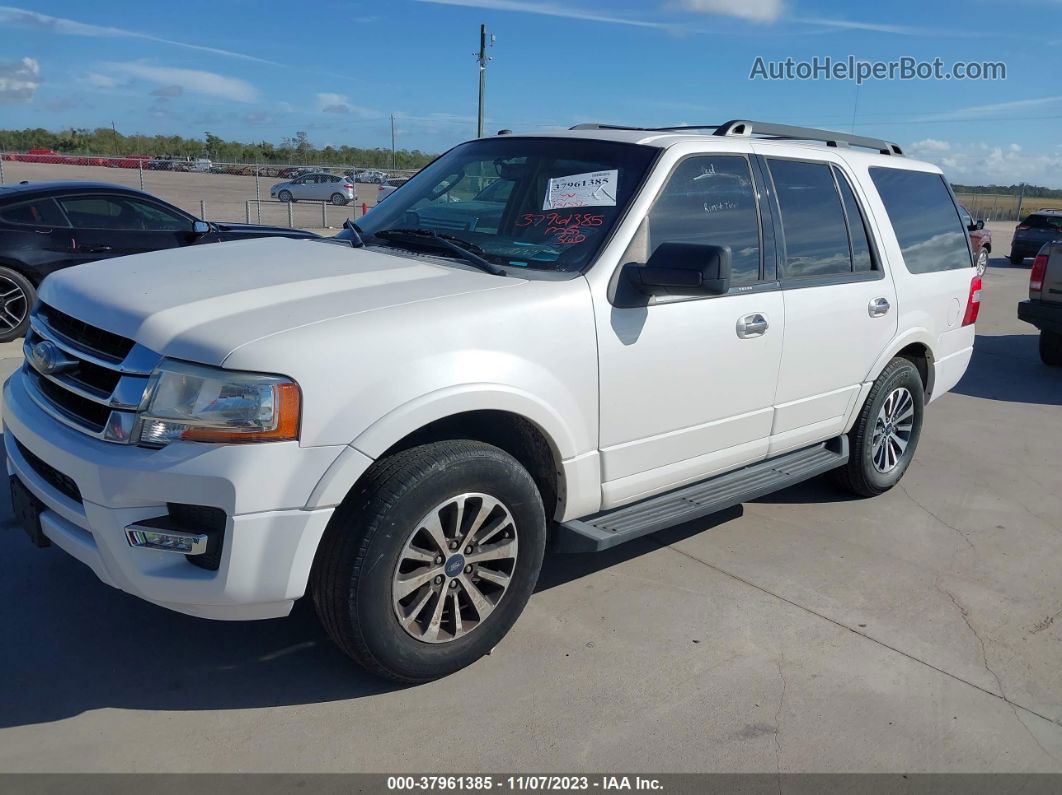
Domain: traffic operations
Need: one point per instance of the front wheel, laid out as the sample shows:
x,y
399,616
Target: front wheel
x,y
285,196
982,261
426,566
1051,348
338,199
883,440
17,295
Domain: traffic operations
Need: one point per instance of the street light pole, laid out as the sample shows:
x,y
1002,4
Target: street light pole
x,y
392,142
482,58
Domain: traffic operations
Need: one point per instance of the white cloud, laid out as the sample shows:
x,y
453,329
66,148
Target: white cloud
x,y
96,80
755,10
880,27
991,164
20,17
975,111
191,80
328,102
19,80
553,10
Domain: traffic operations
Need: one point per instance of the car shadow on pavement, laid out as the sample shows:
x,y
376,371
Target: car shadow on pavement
x,y
1008,368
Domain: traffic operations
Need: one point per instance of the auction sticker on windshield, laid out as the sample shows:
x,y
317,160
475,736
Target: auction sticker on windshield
x,y
594,189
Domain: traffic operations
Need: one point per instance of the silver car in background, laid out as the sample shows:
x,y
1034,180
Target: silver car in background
x,y
389,186
316,186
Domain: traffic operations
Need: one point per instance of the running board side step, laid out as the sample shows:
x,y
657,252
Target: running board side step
x,y
609,528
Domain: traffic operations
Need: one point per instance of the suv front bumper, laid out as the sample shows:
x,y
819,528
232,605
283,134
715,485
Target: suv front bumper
x,y
269,542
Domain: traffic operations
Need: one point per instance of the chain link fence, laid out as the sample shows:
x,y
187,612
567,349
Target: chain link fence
x,y
1003,206
215,191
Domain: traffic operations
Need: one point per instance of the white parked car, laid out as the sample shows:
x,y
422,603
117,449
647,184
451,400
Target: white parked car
x,y
398,422
370,175
389,186
316,186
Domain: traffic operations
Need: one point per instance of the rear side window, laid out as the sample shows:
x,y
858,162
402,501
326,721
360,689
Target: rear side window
x,y
862,260
925,219
711,200
43,212
813,219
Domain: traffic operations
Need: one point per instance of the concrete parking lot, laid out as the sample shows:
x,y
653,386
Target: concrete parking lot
x,y
806,631
224,197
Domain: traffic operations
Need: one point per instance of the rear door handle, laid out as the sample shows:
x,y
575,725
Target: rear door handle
x,y
879,307
754,325
96,249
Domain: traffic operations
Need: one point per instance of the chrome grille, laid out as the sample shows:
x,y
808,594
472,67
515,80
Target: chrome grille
x,y
103,377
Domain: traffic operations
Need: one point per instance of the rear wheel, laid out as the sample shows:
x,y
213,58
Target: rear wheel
x,y
338,199
285,196
1051,348
1016,259
883,440
425,567
17,295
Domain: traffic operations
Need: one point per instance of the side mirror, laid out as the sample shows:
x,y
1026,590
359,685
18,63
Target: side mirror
x,y
682,269
979,225
200,227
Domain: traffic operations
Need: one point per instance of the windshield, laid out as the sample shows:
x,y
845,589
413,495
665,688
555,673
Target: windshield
x,y
546,203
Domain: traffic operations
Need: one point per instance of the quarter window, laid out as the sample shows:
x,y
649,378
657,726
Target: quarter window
x,y
813,219
925,219
711,200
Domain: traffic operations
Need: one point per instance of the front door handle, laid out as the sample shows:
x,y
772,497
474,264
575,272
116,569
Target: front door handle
x,y
96,249
754,325
879,307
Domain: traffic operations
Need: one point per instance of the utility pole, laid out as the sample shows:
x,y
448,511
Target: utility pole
x,y
482,58
1021,198
392,142
115,133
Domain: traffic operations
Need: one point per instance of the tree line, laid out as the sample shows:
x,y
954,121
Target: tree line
x,y
1031,191
103,141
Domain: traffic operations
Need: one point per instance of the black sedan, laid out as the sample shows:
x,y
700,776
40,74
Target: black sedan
x,y
45,226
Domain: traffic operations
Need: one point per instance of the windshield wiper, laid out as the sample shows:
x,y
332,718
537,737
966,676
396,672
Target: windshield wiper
x,y
467,251
355,231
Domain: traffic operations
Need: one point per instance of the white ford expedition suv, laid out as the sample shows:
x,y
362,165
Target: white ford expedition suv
x,y
634,329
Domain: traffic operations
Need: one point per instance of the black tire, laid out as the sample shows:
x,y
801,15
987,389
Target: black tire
x,y
285,196
1016,259
860,475
351,582
1051,348
17,296
338,199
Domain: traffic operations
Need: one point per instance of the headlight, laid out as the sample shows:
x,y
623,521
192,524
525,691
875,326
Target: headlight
x,y
195,403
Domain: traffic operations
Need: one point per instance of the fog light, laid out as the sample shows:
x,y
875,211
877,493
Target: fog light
x,y
167,540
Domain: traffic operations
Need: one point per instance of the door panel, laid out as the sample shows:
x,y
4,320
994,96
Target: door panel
x,y
682,396
687,384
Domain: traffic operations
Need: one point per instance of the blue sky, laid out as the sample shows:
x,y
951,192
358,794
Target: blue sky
x,y
252,70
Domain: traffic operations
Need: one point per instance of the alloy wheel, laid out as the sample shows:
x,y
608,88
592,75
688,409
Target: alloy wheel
x,y
892,429
454,568
13,304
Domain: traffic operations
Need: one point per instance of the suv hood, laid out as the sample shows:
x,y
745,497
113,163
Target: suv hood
x,y
201,303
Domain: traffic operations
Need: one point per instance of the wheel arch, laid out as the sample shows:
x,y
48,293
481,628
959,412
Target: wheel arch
x,y
917,347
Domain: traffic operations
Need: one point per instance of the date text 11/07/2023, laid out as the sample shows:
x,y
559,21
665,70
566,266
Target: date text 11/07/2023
x,y
527,783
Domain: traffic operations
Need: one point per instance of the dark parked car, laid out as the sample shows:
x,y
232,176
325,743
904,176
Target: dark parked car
x,y
1042,226
45,226
1044,307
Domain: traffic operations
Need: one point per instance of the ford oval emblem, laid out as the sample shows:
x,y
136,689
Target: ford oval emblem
x,y
48,358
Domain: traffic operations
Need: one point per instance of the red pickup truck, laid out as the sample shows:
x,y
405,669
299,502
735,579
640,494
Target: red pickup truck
x,y
980,239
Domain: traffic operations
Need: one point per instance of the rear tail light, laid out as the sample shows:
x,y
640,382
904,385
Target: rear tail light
x,y
1036,276
347,185
973,303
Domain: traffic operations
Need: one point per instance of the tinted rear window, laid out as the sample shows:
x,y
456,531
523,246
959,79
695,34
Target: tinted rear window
x,y
1044,221
816,235
925,219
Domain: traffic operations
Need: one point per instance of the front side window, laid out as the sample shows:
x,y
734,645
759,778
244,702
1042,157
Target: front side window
x,y
813,219
115,212
710,200
566,195
924,218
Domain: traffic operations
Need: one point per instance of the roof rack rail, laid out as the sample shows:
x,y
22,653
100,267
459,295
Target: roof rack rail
x,y
744,127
